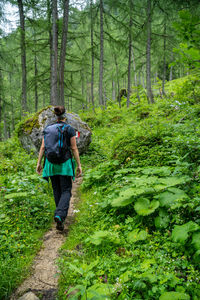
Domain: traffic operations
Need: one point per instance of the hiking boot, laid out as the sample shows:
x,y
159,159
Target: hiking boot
x,y
60,225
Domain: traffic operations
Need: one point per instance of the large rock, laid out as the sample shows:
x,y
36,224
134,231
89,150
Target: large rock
x,y
30,132
29,296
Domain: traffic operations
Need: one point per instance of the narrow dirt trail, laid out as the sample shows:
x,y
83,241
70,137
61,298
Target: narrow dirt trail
x,y
44,279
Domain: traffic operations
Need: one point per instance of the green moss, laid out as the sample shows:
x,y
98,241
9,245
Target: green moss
x,y
27,125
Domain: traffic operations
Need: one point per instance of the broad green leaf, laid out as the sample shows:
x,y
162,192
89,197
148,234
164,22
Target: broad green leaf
x,y
98,291
172,181
104,236
174,296
137,235
144,207
196,240
151,277
171,197
126,197
180,233
125,277
162,171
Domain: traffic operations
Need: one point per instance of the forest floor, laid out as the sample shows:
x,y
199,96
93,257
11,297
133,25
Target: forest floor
x,y
43,281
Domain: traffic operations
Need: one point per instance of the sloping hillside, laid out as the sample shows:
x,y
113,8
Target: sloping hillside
x,y
137,229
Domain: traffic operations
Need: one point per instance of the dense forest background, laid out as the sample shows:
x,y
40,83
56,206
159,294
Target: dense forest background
x,y
86,54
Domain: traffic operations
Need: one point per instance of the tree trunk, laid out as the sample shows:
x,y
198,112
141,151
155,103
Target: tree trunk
x,y
54,66
12,104
63,52
129,55
117,72
113,90
101,56
155,77
36,87
171,69
1,104
23,56
134,69
164,59
143,78
148,54
92,52
49,14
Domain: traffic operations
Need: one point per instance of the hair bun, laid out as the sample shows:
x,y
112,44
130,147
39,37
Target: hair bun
x,y
59,110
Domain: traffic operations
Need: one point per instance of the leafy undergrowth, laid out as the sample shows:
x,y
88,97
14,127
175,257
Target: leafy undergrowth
x,y
25,213
137,230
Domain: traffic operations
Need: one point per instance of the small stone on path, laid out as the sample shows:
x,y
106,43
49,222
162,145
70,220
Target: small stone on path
x,y
29,296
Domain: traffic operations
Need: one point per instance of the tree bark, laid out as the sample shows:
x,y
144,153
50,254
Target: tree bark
x,y
54,66
92,52
12,104
23,56
113,90
134,69
148,54
49,15
63,52
164,58
143,78
117,72
1,103
101,56
129,55
171,70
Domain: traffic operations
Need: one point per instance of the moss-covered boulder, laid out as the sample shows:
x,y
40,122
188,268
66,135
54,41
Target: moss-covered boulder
x,y
30,132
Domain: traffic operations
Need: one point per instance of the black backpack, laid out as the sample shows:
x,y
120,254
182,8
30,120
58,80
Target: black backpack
x,y
57,150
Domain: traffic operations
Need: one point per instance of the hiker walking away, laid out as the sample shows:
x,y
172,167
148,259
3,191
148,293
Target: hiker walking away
x,y
58,139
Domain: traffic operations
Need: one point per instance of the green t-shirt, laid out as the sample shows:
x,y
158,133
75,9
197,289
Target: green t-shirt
x,y
65,168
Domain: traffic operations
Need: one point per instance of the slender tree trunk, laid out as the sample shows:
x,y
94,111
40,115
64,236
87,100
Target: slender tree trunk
x,y
12,104
164,59
134,68
171,73
101,56
23,56
148,54
155,77
88,91
171,69
92,52
143,78
117,72
1,103
54,66
49,15
82,89
63,52
36,86
113,90
5,120
129,54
